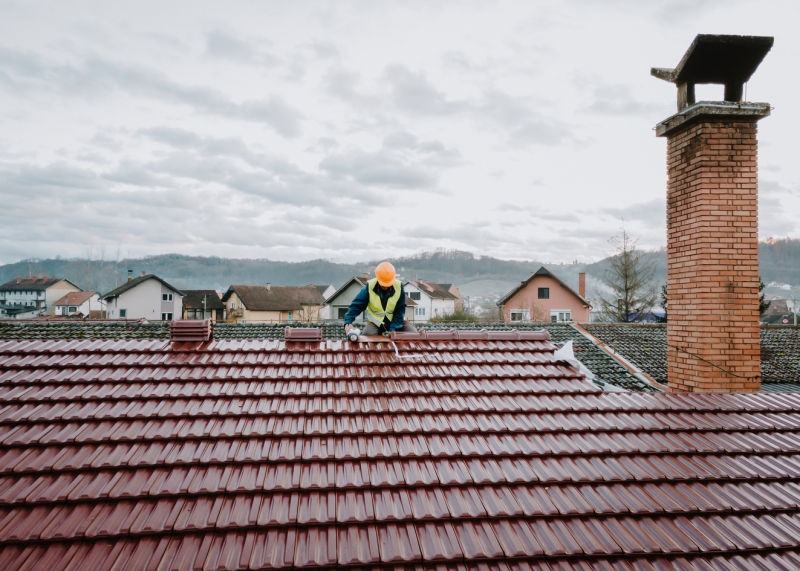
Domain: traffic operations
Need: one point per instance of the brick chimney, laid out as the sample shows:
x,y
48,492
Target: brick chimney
x,y
582,285
713,334
130,275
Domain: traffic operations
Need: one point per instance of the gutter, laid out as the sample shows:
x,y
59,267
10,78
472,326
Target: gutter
x,y
632,369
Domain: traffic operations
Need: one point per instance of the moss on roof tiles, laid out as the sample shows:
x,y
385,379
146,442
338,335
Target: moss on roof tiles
x,y
645,345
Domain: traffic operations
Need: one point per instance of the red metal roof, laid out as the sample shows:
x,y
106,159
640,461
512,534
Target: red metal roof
x,y
458,454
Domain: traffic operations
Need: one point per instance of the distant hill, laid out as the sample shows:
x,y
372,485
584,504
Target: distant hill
x,y
780,261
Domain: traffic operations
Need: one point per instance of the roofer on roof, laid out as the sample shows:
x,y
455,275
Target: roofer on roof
x,y
383,302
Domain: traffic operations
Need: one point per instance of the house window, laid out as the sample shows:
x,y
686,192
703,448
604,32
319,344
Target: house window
x,y
342,312
166,317
544,293
166,297
233,305
414,295
289,317
123,313
419,311
521,315
73,309
560,315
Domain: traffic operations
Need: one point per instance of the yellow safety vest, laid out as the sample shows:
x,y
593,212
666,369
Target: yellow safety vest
x,y
375,311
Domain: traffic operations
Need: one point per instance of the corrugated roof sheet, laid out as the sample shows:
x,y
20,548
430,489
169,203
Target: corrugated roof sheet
x,y
254,454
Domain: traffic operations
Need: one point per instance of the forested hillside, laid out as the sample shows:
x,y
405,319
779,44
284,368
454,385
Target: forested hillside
x,y
780,261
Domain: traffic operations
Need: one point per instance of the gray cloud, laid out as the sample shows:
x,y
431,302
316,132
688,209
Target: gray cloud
x,y
381,169
413,93
96,76
653,212
772,187
343,84
222,45
434,152
538,213
618,100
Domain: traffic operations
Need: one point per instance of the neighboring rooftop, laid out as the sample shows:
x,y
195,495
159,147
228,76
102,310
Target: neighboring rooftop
x,y
32,284
195,299
434,290
132,283
276,298
645,345
75,298
541,272
479,454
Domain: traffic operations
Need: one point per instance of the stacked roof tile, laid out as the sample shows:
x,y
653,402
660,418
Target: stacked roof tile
x,y
147,454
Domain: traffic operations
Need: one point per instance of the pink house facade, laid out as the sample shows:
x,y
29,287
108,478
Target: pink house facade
x,y
543,297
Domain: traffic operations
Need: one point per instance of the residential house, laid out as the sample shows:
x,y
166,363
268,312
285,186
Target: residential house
x,y
31,297
432,299
544,297
327,291
203,303
80,304
453,288
273,304
146,297
337,303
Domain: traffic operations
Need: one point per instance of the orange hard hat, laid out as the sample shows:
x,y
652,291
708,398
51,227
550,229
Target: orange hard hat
x,y
385,274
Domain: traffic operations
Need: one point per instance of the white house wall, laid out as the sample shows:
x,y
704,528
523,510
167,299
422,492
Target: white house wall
x,y
91,304
144,302
343,300
56,292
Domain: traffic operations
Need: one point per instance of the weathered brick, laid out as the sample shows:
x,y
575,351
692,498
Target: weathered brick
x,y
712,261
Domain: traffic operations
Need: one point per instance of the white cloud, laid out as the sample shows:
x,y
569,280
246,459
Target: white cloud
x,y
360,130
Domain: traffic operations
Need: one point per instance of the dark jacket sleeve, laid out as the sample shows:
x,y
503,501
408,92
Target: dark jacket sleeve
x,y
399,312
358,306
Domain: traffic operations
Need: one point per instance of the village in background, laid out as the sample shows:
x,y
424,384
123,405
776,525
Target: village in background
x,y
443,286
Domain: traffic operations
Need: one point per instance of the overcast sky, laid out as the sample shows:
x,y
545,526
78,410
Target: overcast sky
x,y
358,130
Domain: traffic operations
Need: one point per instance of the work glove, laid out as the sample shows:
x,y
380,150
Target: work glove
x,y
347,328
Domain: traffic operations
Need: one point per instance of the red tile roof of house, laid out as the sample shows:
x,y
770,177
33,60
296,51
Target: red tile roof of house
x,y
449,454
75,298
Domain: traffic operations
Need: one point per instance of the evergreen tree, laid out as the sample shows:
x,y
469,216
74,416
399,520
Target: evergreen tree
x,y
630,279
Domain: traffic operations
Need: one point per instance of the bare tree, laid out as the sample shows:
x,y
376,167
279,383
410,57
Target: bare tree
x,y
310,313
630,279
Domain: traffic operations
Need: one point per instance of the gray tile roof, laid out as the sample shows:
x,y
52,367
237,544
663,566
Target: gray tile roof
x,y
645,345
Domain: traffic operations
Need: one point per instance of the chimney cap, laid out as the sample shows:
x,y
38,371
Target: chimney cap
x,y
724,59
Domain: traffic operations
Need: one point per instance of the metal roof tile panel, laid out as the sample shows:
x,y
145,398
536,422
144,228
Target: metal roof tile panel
x,y
205,448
